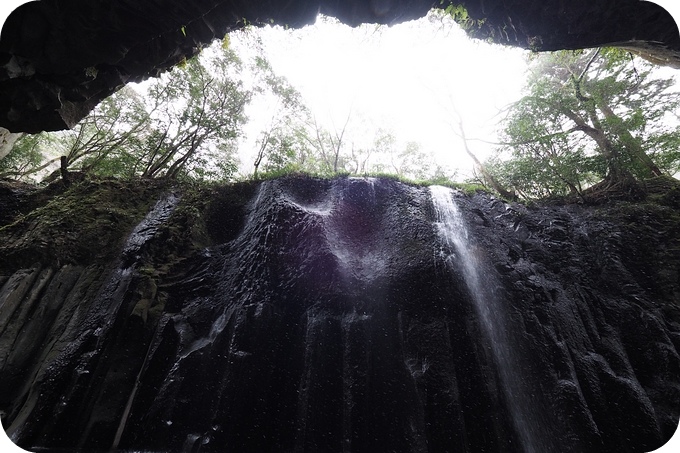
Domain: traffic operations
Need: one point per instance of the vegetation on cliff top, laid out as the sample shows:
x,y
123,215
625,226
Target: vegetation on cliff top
x,y
593,125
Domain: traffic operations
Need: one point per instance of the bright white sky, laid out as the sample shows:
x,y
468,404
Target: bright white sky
x,y
408,79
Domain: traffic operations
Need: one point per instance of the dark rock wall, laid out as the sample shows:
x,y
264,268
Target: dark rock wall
x,y
59,58
554,25
318,315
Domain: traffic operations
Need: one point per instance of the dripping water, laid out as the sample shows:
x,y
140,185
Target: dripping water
x,y
489,308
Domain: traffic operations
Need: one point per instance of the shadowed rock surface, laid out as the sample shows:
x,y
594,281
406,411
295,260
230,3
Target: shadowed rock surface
x,y
59,58
302,314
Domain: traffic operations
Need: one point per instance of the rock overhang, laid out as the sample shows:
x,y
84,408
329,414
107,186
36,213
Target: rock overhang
x,y
59,58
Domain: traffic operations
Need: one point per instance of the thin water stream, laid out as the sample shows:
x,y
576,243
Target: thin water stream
x,y
494,319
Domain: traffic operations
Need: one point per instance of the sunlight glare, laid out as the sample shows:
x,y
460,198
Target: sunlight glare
x,y
410,79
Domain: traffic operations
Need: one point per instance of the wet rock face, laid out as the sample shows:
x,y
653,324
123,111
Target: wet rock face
x,y
59,58
328,315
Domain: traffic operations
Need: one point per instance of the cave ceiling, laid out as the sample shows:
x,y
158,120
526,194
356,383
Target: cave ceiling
x,y
59,58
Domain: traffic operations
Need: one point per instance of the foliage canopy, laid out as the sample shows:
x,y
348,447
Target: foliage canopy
x,y
192,122
595,117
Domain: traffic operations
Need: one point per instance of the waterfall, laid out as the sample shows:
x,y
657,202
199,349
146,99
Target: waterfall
x,y
346,218
349,314
480,282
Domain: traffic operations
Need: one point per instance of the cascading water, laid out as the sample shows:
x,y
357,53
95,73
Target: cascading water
x,y
347,226
459,254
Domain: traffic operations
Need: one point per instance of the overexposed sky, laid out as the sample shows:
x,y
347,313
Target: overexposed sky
x,y
409,79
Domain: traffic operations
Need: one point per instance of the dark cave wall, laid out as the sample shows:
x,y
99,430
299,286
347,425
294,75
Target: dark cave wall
x,y
560,24
59,58
319,315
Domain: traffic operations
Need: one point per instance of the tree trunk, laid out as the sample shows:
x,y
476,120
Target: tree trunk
x,y
604,145
495,185
632,144
260,154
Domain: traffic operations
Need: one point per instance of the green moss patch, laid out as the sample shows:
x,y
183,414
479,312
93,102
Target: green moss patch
x,y
80,225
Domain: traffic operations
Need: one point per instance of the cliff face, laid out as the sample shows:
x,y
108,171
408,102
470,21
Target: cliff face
x,y
59,58
335,315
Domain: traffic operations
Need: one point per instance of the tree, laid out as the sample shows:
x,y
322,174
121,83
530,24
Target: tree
x,y
202,115
184,123
487,176
283,143
7,140
387,155
105,141
25,158
102,143
328,146
588,115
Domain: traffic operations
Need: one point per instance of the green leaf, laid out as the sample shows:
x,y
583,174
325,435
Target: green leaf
x,y
587,115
